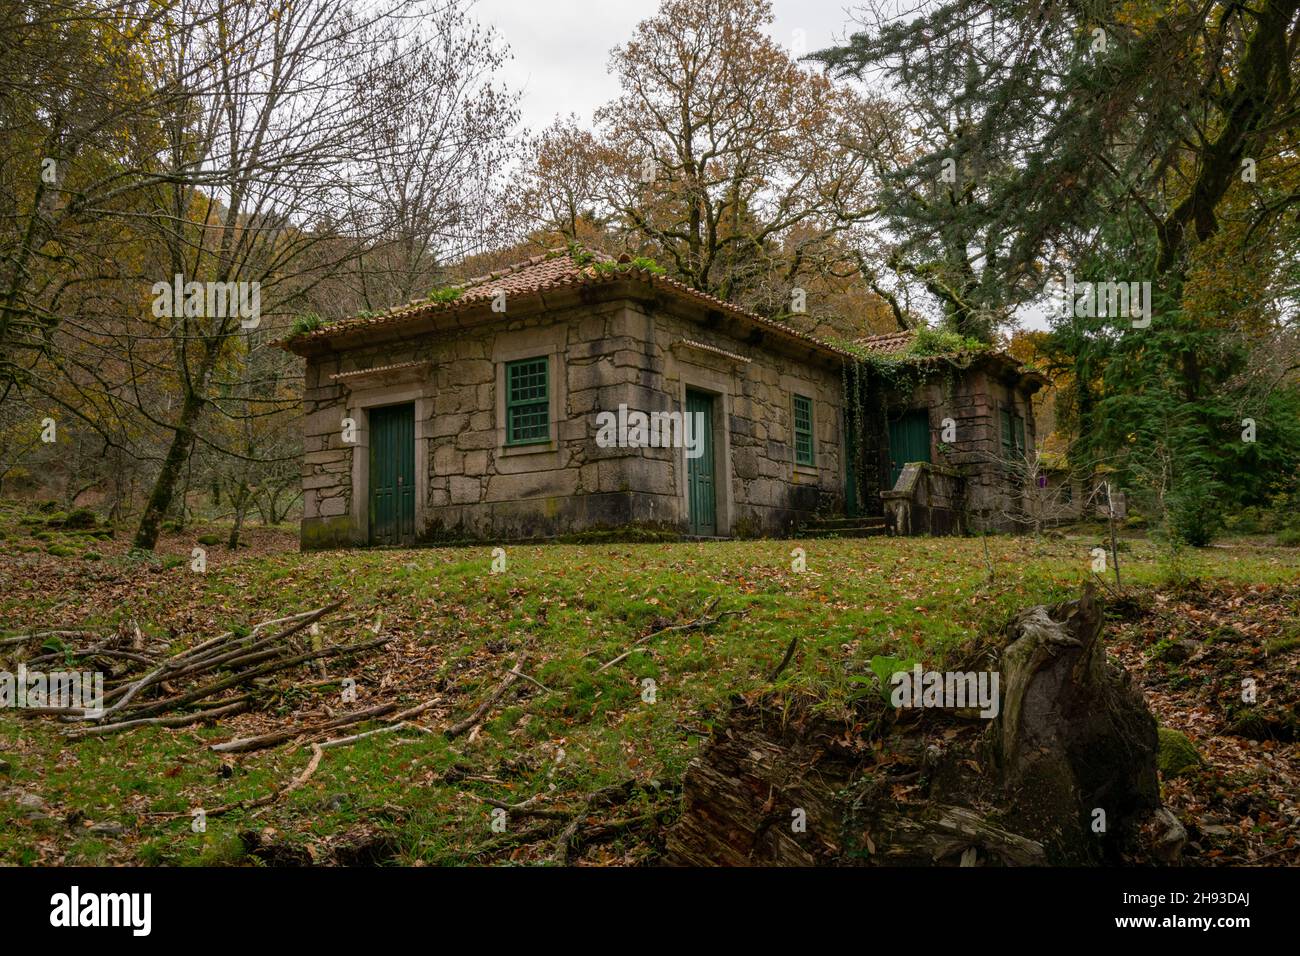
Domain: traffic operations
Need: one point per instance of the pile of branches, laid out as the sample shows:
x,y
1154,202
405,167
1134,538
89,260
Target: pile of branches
x,y
150,686
570,831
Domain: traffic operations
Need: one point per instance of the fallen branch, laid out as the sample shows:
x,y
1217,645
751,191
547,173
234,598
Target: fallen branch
x,y
389,728
512,675
785,661
180,720
247,744
700,623
525,809
171,703
25,638
270,798
401,720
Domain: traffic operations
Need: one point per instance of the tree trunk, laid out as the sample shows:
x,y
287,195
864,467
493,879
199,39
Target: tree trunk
x,y
241,499
782,783
164,487
1074,735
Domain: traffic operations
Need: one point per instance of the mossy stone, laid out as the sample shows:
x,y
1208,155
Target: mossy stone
x,y
1177,753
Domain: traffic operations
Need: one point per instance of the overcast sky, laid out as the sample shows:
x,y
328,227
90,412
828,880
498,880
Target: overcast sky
x,y
561,52
561,47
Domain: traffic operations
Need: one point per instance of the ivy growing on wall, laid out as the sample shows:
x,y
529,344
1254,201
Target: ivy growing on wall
x,y
872,381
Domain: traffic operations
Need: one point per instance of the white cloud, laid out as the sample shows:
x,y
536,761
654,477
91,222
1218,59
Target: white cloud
x,y
561,47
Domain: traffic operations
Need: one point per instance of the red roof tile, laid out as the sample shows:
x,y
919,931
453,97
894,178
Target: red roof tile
x,y
891,343
539,274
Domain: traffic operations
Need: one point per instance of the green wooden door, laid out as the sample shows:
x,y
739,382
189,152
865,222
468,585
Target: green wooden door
x,y
700,480
909,440
392,475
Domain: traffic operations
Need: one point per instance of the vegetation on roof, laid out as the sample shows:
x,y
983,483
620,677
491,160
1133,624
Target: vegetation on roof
x,y
640,264
929,341
307,322
445,294
925,342
581,255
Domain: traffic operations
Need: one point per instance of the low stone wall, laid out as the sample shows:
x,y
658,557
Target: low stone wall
x,y
928,499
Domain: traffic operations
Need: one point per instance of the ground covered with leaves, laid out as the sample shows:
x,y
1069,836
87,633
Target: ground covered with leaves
x,y
580,760
1220,666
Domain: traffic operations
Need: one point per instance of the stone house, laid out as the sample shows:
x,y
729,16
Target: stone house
x,y
572,393
946,442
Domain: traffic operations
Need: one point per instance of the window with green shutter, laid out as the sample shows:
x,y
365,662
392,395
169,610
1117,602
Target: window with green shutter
x,y
528,401
803,430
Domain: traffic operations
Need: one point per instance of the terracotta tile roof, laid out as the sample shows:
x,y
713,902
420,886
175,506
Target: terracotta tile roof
x,y
553,270
558,269
891,343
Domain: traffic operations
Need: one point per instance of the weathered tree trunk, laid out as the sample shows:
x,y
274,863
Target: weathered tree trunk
x,y
164,487
1075,743
241,501
778,785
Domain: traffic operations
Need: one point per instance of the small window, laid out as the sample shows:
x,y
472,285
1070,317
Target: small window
x,y
803,430
528,402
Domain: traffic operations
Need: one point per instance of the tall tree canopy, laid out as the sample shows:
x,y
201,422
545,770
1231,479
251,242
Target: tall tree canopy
x,y
1114,142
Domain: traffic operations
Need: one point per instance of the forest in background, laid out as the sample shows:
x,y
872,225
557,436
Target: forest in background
x,y
941,169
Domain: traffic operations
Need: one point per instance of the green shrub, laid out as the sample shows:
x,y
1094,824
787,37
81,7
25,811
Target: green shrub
x,y
308,322
209,540
93,556
640,263
1193,509
929,341
81,519
445,294
646,264
1289,537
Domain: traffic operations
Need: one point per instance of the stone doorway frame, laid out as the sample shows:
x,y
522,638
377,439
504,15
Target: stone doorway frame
x,y
368,390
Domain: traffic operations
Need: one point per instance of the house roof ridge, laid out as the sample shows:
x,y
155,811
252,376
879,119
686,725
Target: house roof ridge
x,y
572,267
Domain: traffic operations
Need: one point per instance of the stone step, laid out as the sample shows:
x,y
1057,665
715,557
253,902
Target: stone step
x,y
844,527
828,524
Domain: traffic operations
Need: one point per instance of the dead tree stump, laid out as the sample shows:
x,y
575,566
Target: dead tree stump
x,y
780,784
1075,743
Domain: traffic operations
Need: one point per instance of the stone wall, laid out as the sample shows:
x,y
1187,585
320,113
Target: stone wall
x,y
602,353
974,398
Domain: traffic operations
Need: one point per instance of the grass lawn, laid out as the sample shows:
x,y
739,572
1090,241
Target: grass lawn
x,y
418,798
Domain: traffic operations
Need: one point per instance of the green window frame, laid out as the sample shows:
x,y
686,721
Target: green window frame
x,y
803,430
528,401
